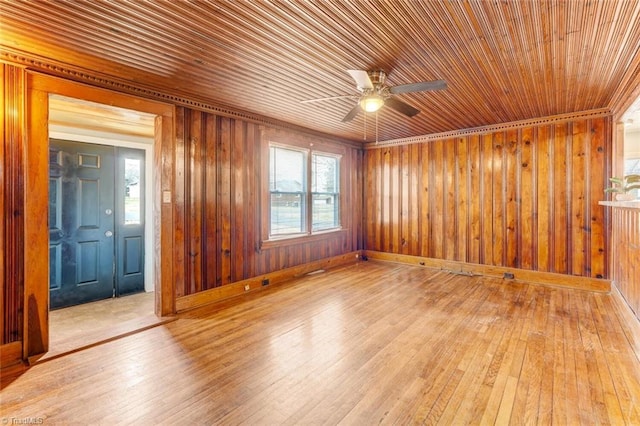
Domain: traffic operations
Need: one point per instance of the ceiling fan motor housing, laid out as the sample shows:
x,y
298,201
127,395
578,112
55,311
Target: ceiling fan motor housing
x,y
377,77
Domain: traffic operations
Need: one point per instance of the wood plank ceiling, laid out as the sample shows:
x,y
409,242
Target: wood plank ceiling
x,y
503,60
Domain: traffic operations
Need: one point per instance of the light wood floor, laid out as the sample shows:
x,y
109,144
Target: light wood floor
x,y
84,325
370,343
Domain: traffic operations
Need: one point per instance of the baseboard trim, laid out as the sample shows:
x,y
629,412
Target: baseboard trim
x,y
11,355
255,284
523,275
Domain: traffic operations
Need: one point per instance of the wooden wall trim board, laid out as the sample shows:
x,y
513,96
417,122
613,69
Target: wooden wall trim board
x,y
94,78
554,119
256,283
36,225
163,212
462,268
10,355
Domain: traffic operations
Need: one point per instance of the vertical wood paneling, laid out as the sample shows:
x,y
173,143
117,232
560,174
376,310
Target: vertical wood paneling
x,y
523,198
544,185
461,191
4,288
405,199
195,238
211,203
560,244
625,242
426,191
598,155
217,204
395,197
224,201
512,186
414,208
12,186
180,272
386,201
251,209
238,190
475,200
437,204
578,174
372,209
498,196
449,195
487,211
527,239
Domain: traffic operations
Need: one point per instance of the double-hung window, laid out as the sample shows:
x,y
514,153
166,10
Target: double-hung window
x,y
304,191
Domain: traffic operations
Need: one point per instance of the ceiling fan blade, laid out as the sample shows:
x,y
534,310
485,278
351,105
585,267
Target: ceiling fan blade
x,y
329,98
400,106
419,87
351,115
362,79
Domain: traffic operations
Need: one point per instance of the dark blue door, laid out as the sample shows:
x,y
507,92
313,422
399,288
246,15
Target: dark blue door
x,y
96,222
81,223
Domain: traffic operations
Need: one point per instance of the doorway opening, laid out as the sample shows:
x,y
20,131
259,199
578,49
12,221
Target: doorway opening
x,y
101,267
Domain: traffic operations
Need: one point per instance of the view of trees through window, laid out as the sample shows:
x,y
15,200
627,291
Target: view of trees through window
x,y
289,191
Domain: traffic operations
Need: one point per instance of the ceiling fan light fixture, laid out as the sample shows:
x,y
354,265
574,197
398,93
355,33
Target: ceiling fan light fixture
x,y
372,103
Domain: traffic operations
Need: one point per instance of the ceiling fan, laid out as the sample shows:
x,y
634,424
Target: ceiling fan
x,y
374,94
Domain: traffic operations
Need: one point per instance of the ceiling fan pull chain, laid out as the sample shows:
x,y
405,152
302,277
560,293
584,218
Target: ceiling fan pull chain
x,y
364,137
376,127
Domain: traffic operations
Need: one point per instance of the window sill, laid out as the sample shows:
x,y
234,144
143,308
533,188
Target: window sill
x,y
303,239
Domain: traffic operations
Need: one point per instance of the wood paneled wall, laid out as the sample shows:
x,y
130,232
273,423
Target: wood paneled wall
x,y
217,211
523,198
625,252
11,202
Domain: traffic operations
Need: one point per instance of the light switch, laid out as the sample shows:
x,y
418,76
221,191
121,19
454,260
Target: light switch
x,y
166,196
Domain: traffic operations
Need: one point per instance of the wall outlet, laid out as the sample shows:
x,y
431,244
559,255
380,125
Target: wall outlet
x,y
247,287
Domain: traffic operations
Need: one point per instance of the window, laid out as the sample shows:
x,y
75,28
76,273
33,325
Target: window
x,y
324,189
632,167
132,188
304,191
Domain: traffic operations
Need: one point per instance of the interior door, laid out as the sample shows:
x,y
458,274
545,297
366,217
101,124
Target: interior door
x,y
81,223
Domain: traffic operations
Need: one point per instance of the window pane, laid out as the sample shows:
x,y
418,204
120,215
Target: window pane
x,y
286,170
287,184
325,211
132,191
287,213
324,173
632,167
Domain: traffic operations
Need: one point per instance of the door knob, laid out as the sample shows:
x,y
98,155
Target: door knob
x,y
108,234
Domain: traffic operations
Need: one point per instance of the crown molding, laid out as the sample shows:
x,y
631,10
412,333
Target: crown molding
x,y
56,68
594,113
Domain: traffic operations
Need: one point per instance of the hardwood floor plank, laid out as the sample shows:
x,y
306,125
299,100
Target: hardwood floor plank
x,y
374,342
